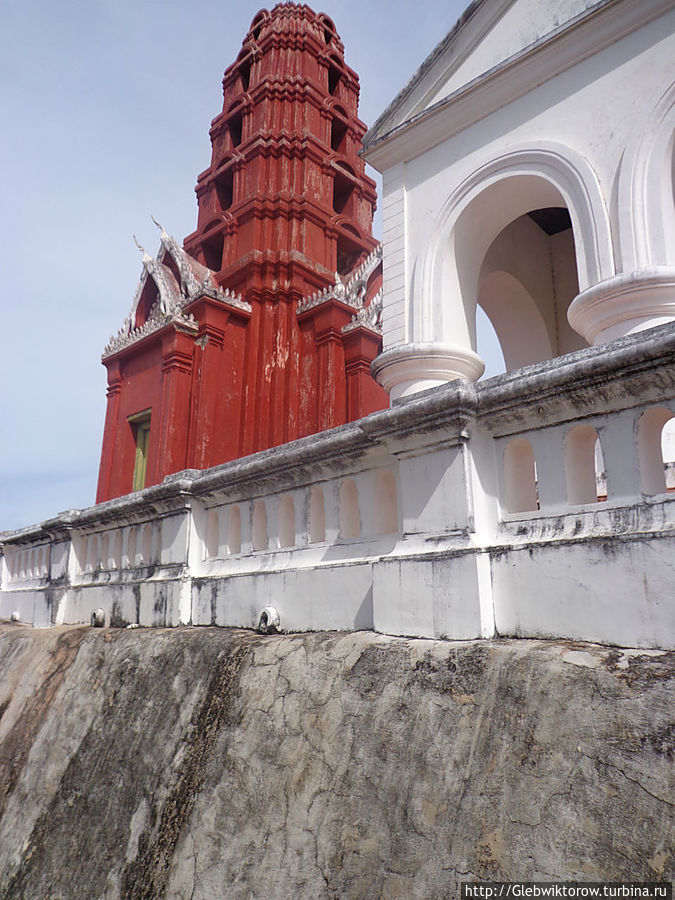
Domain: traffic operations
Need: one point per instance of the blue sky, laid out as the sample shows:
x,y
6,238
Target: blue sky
x,y
106,106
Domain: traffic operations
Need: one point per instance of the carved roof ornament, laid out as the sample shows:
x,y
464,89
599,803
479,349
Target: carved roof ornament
x,y
369,316
352,292
172,297
169,296
194,277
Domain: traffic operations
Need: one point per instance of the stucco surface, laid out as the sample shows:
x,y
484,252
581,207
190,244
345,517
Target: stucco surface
x,y
202,762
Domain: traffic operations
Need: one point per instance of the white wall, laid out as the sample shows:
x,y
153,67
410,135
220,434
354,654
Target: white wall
x,y
427,540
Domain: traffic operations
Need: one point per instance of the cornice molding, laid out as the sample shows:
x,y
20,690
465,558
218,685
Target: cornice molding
x,y
553,54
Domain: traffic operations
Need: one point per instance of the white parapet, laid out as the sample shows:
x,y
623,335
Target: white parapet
x,y
533,504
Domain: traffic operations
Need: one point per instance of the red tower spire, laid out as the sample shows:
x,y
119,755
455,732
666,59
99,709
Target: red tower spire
x,y
263,328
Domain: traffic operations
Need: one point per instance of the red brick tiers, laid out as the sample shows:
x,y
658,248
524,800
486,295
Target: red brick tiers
x,y
262,329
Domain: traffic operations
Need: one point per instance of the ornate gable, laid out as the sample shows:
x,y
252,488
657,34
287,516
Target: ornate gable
x,y
169,283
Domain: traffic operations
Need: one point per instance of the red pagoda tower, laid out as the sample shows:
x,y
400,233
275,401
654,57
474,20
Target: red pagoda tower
x,y
262,328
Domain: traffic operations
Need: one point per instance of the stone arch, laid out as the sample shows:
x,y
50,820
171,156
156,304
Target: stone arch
x,y
116,556
234,531
259,537
286,521
146,544
441,320
569,179
212,534
386,502
650,453
520,477
582,458
317,515
486,202
646,190
131,547
348,510
93,553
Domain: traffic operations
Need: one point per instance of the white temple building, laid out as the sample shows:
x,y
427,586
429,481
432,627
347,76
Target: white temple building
x,y
528,170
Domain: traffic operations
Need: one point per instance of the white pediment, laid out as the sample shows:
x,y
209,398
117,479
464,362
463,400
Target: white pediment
x,y
489,33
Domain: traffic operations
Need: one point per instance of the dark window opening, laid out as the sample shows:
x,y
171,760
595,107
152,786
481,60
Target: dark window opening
x,y
348,254
256,25
345,167
343,189
334,76
328,28
224,187
212,248
234,129
552,219
245,74
338,133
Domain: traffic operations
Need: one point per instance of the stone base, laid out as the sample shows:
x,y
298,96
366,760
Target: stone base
x,y
624,305
411,368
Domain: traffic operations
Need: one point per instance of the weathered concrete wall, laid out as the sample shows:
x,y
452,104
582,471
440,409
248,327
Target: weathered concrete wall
x,y
202,763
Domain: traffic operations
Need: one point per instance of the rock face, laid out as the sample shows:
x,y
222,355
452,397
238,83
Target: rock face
x,y
201,763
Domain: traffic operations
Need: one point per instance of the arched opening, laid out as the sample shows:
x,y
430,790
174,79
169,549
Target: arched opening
x,y
116,557
668,453
334,76
338,134
259,538
442,308
584,466
328,28
212,534
317,516
487,345
234,126
347,253
234,531
244,68
212,248
646,188
386,503
224,184
286,521
146,545
348,510
520,477
131,547
343,192
527,281
92,552
656,450
257,24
